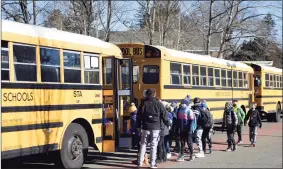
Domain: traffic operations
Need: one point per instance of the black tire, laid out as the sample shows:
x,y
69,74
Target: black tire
x,y
269,117
75,136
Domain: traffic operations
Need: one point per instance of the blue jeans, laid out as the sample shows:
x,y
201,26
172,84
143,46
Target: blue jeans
x,y
167,141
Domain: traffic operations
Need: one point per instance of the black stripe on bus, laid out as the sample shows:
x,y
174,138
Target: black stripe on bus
x,y
269,103
201,87
209,99
6,129
49,86
96,121
11,109
267,96
28,151
269,88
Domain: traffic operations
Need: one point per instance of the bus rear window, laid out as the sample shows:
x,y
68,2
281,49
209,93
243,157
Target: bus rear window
x,y
150,74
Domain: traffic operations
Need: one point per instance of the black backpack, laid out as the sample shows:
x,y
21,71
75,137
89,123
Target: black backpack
x,y
253,118
149,114
206,119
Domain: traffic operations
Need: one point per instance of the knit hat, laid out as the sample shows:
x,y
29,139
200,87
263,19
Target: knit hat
x,y
169,108
196,100
164,103
186,101
228,105
203,104
174,104
132,108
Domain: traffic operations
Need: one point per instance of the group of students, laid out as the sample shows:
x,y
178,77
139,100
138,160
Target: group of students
x,y
233,120
158,122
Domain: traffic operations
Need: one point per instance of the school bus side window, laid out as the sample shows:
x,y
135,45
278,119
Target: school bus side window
x,y
235,79
187,74
4,61
271,81
150,74
72,67
50,64
266,80
203,76
240,79
245,80
25,62
277,81
223,77
195,75
175,71
210,77
229,78
217,77
91,65
136,72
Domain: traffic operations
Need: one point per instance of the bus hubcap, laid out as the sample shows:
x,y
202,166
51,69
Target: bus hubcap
x,y
76,148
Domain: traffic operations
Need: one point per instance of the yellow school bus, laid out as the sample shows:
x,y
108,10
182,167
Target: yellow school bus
x,y
175,74
268,91
56,89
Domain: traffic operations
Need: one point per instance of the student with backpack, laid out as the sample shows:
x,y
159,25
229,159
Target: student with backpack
x,y
149,117
241,118
230,121
161,148
168,138
207,126
254,119
185,127
173,131
200,119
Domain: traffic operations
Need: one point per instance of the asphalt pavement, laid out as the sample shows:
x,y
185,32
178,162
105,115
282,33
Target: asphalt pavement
x,y
266,154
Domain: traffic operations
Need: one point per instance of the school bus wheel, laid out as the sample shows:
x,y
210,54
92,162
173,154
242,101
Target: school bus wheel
x,y
74,147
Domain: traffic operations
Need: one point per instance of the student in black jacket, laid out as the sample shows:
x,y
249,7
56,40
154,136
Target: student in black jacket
x,y
150,115
254,122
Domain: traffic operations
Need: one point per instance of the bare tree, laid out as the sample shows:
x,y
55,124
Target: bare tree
x,y
166,10
147,11
34,11
109,17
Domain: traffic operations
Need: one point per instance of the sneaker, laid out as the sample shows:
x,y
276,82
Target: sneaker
x,y
192,158
200,155
228,150
159,161
139,166
168,155
153,166
235,148
180,159
240,142
177,154
253,145
210,151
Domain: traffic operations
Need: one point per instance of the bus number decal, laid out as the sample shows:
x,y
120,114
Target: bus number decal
x,y
78,94
18,96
